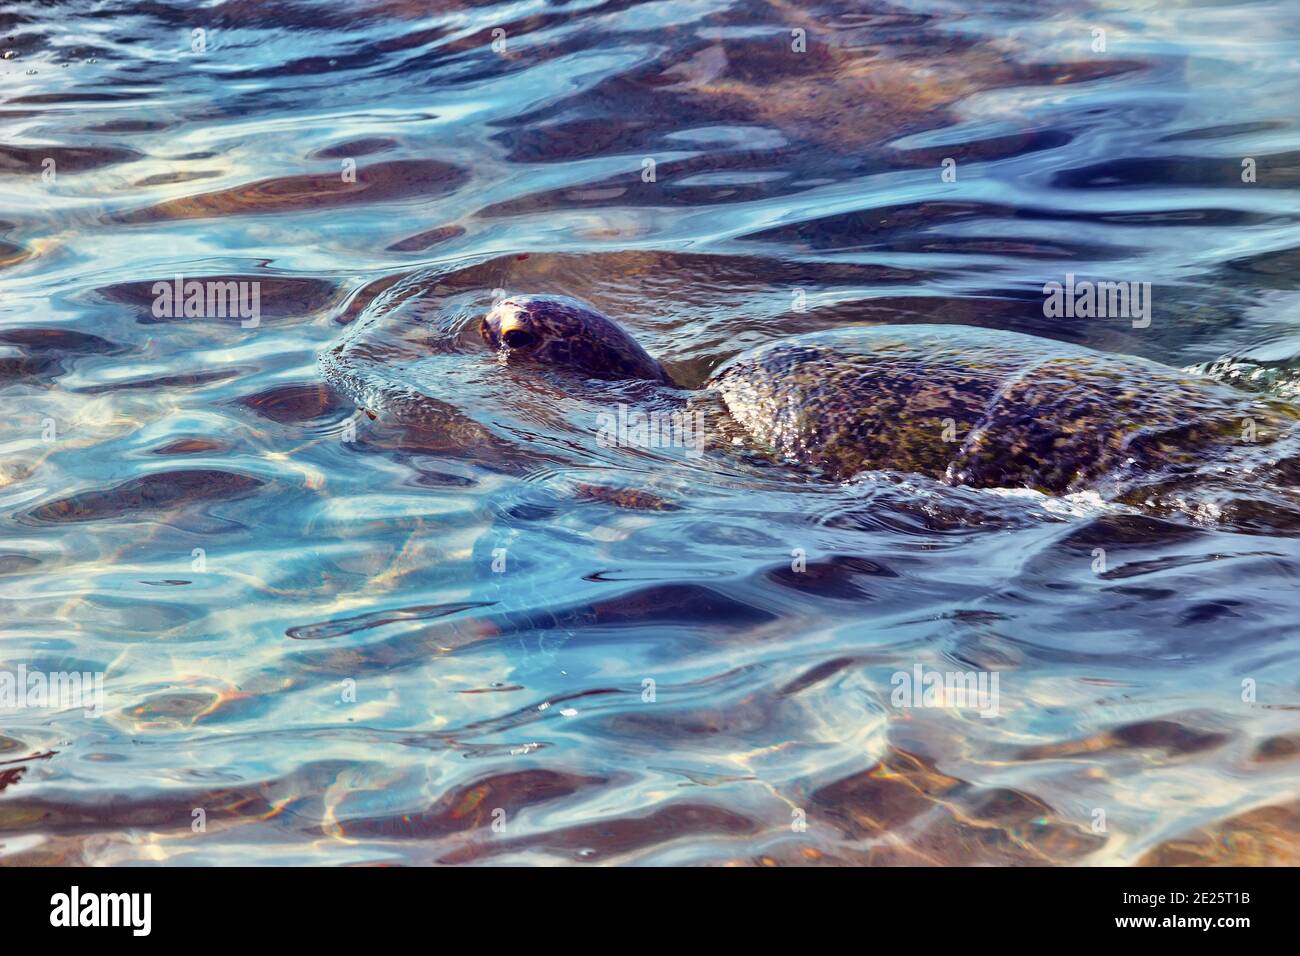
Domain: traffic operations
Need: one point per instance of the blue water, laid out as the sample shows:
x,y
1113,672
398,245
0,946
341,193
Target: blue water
x,y
464,630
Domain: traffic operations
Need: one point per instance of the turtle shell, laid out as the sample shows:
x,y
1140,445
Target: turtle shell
x,y
978,407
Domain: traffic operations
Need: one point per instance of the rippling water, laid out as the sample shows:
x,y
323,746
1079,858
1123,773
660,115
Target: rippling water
x,y
465,629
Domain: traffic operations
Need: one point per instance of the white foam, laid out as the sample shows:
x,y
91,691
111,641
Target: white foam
x,y
1077,504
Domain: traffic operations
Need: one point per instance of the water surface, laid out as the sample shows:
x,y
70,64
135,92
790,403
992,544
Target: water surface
x,y
465,631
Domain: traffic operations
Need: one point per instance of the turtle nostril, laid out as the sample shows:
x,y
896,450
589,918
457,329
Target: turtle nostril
x,y
518,339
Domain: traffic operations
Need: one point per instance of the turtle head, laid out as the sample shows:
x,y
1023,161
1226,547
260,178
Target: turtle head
x,y
560,332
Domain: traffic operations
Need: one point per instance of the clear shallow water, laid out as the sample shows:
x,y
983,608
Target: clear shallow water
x,y
344,557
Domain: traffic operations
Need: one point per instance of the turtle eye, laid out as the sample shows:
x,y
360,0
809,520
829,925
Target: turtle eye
x,y
518,338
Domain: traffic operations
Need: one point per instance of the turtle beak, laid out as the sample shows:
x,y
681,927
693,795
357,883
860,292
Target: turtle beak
x,y
513,328
517,335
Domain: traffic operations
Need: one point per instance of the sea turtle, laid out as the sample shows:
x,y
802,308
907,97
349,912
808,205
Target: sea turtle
x,y
964,405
